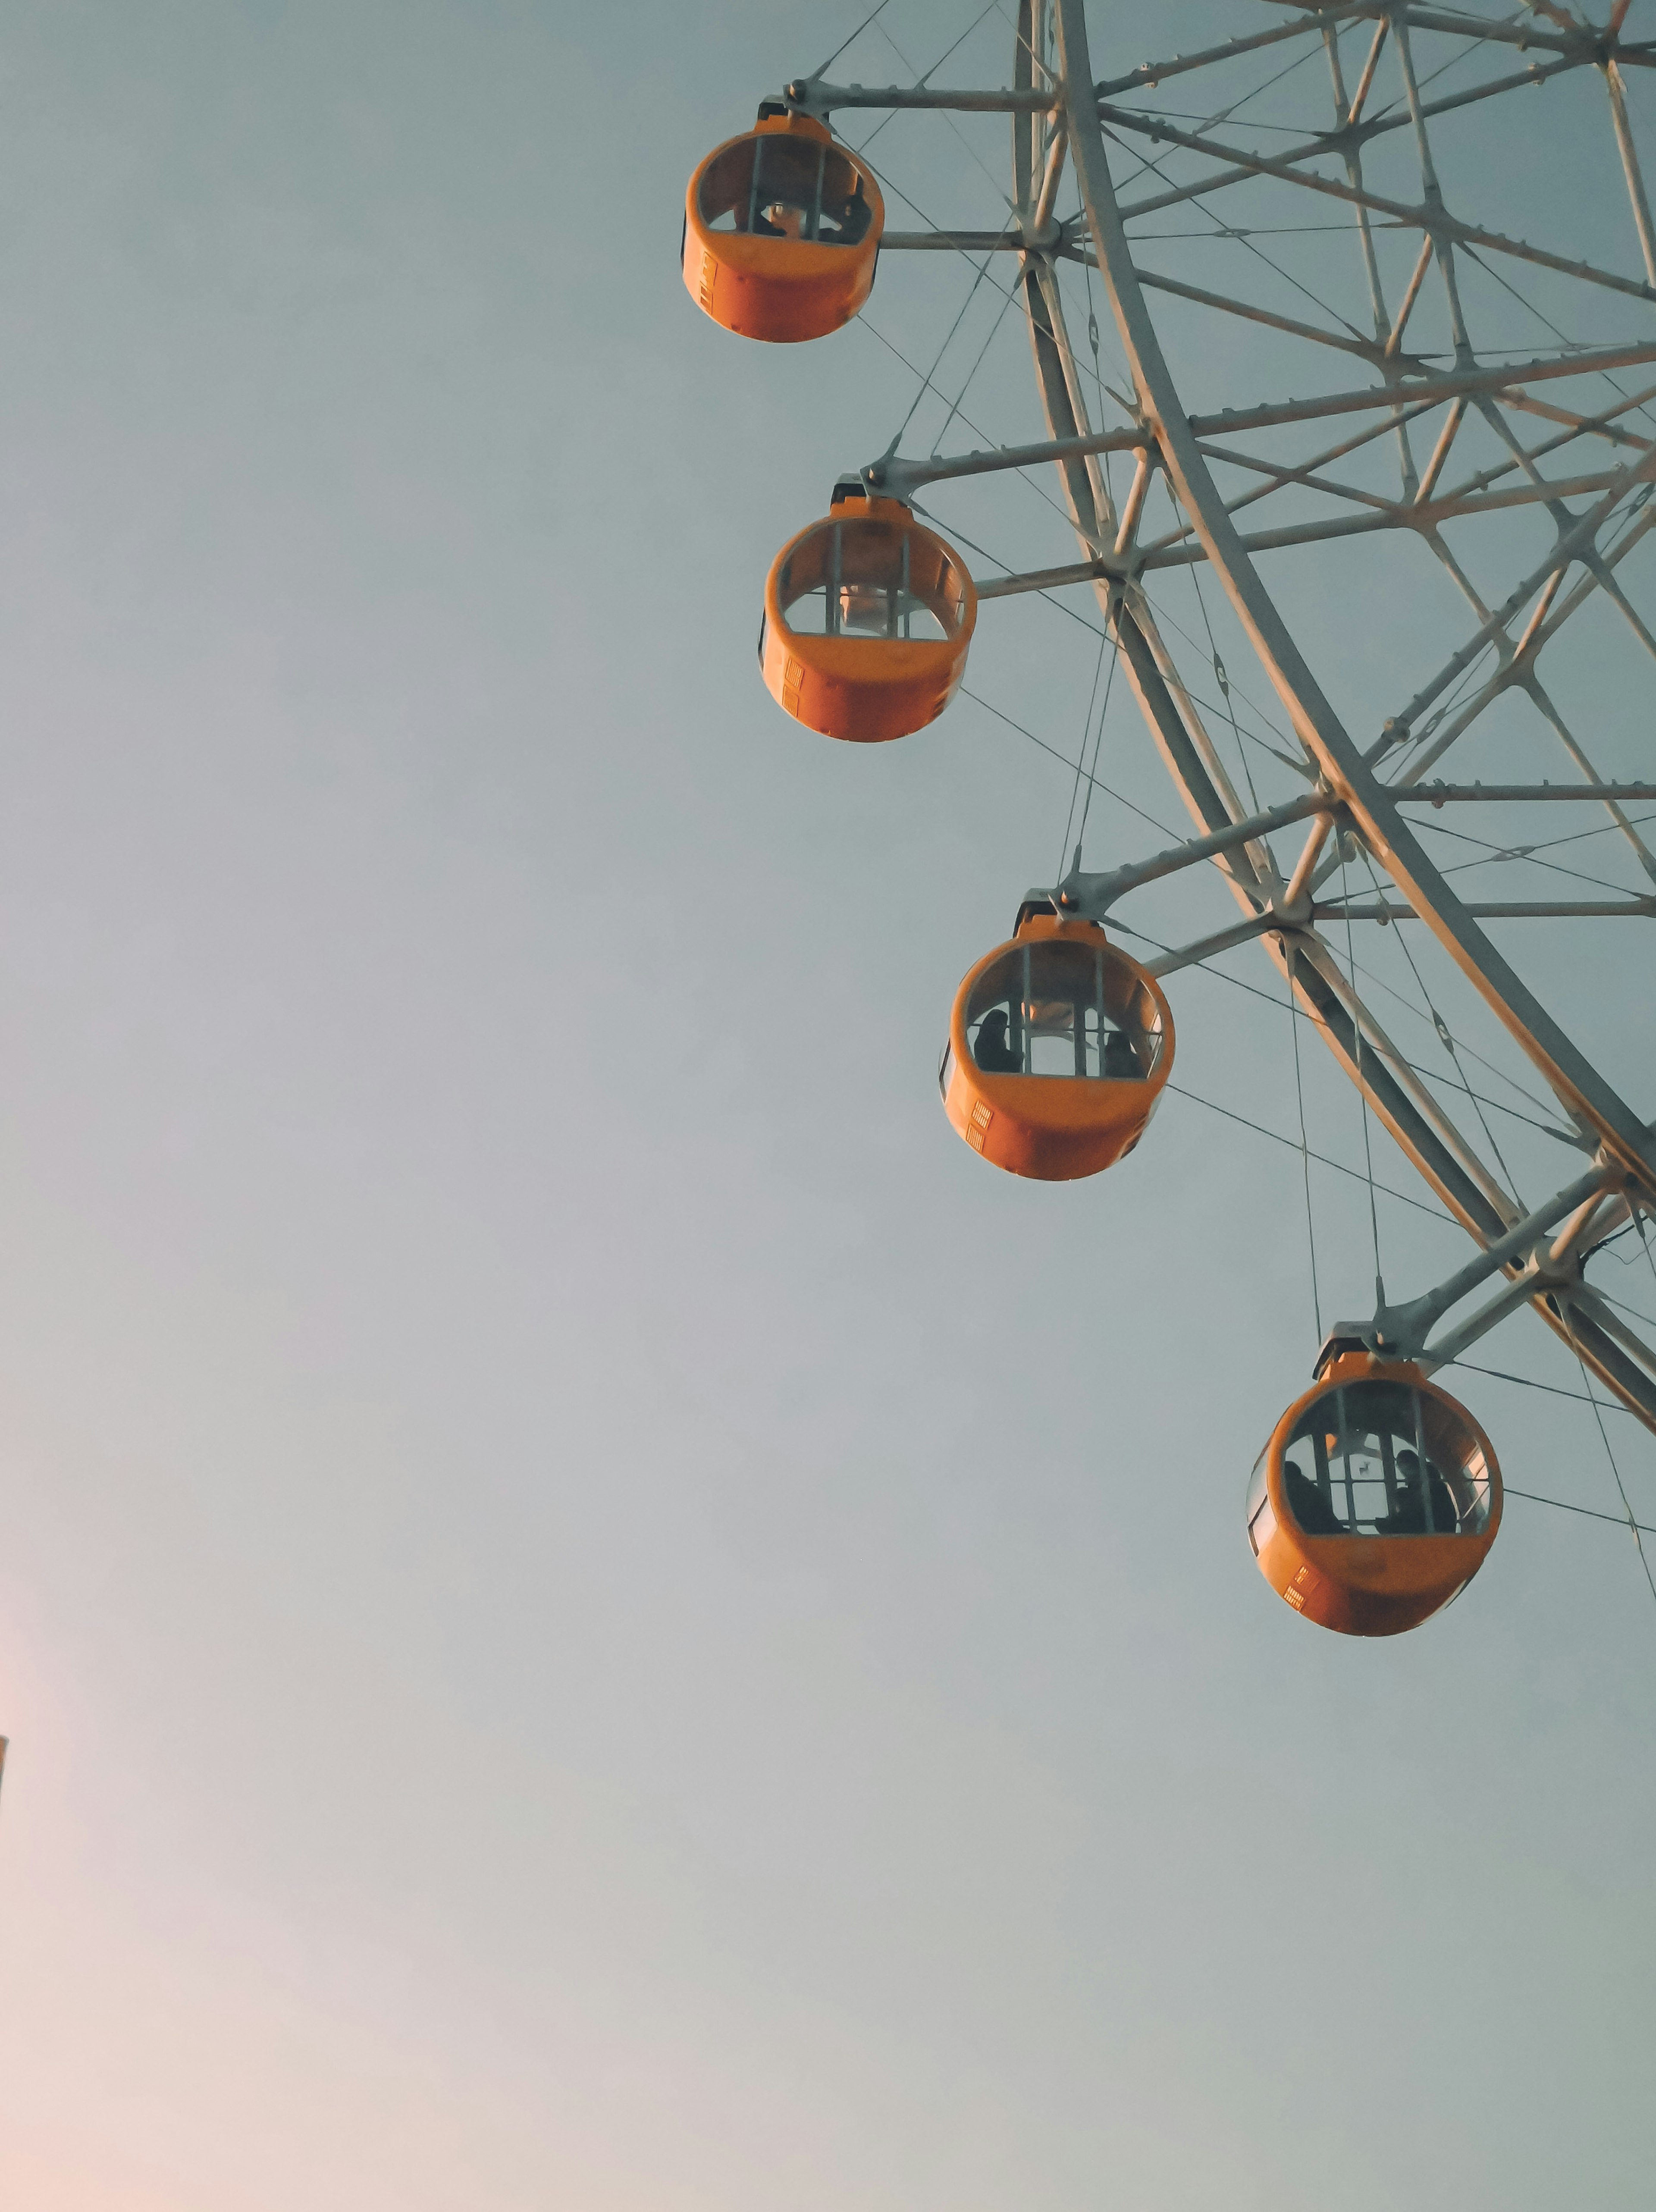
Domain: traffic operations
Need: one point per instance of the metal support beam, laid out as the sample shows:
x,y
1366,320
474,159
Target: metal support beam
x,y
1402,1331
1577,1084
815,95
963,241
1440,794
1184,549
1636,182
900,478
1521,1291
1432,217
1149,74
1206,948
1640,909
1089,897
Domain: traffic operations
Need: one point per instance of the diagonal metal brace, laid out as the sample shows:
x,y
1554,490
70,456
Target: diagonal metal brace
x,y
1089,897
1402,1332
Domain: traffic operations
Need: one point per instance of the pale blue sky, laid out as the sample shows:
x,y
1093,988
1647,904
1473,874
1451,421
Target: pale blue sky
x,y
592,1613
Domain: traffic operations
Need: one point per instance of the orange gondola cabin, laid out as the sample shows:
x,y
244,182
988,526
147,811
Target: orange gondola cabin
x,y
1375,1500
868,619
1058,1050
781,230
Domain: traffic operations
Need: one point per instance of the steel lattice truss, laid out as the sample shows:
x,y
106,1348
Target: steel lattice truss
x,y
1488,408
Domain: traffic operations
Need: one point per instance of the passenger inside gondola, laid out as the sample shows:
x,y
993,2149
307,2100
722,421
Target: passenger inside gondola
x,y
771,185
1121,1061
867,575
1364,1459
992,1051
1064,1009
1311,1507
1409,1515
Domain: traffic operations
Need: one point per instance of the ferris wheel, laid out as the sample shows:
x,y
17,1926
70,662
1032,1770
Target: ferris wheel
x,y
1368,291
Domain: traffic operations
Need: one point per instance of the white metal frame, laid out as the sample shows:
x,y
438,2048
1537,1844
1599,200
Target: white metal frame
x,y
1057,110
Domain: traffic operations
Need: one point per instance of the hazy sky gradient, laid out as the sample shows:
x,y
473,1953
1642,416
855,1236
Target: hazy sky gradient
x,y
592,1614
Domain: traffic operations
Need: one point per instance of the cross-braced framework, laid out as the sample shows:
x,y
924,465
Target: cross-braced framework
x,y
1382,280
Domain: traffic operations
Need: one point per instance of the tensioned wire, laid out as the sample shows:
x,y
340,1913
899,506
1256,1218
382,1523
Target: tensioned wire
x,y
1082,773
1495,855
994,333
1035,60
1222,680
1427,1074
1322,1159
855,35
1339,1166
1022,475
1228,709
1366,1175
1152,164
1222,229
1489,270
1098,742
1074,615
926,383
1588,1512
920,80
1120,798
1219,228
1236,982
865,322
1635,1227
1445,1038
1362,1094
1221,675
1475,43
1526,852
1305,1149
1646,1321
1419,737
1495,1105
926,379
1633,1526
1552,1389
1500,1074
1086,734
1008,296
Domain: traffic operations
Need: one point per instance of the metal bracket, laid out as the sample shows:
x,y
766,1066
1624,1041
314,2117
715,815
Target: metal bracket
x,y
815,95
1089,897
1403,1332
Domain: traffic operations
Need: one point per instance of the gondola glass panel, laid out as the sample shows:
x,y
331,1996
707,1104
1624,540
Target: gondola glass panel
x,y
1376,1500
868,619
1059,1047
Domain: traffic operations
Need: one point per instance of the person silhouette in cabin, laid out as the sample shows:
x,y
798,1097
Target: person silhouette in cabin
x,y
1307,1502
1409,1516
993,1055
1121,1061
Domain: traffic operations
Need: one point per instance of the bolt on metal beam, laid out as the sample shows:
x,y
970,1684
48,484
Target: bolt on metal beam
x,y
1440,794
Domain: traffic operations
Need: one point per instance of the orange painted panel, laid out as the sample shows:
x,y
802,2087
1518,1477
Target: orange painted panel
x,y
1055,1126
1375,1583
874,575
808,214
